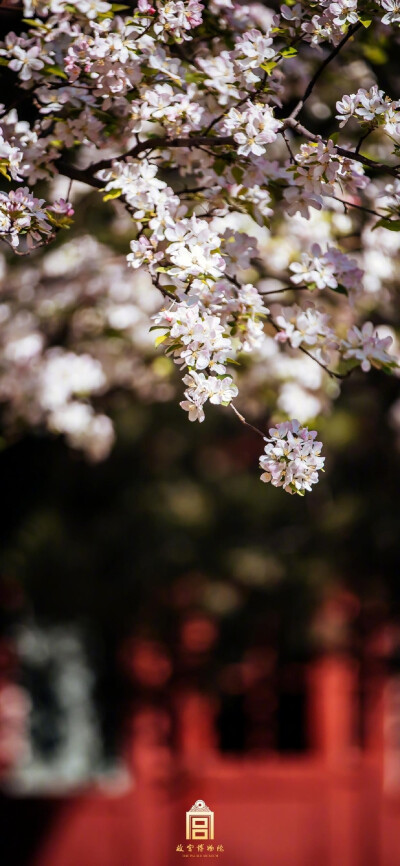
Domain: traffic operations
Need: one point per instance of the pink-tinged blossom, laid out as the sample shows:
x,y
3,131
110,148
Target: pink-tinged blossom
x,y
292,458
24,216
142,189
194,250
202,388
344,12
317,30
144,252
326,270
196,338
365,346
220,75
371,107
318,171
253,127
308,327
27,63
177,17
92,8
146,7
251,51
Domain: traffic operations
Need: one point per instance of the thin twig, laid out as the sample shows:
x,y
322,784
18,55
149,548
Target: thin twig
x,y
291,154
317,74
331,373
286,289
362,139
243,420
347,204
223,113
164,291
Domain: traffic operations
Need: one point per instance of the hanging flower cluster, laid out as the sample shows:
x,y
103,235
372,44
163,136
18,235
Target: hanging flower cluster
x,y
292,458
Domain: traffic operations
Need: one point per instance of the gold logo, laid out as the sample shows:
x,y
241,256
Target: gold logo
x,y
200,822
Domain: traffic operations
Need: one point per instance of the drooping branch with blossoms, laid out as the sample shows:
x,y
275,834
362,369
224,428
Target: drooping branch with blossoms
x,y
201,120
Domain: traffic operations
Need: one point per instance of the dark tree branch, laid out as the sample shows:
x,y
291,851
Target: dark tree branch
x,y
165,143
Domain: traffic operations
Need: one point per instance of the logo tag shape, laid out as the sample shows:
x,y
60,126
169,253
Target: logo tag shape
x,y
200,822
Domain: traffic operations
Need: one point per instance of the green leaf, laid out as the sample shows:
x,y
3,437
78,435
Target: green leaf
x,y
268,67
172,347
341,290
160,340
237,173
55,70
389,367
115,193
219,166
194,77
117,7
288,52
34,23
364,20
392,225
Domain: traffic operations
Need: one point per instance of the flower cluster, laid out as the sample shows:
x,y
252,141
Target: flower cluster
x,y
195,338
365,346
292,458
372,108
202,388
178,18
322,22
24,219
331,269
253,127
308,327
318,171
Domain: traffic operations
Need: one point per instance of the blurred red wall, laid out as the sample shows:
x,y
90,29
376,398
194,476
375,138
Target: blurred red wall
x,y
335,805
